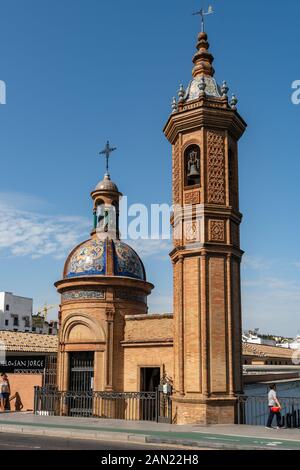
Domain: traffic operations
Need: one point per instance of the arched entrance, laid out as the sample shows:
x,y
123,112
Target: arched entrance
x,y
82,346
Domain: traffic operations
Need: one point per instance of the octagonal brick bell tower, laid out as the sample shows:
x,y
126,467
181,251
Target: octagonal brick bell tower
x,y
204,129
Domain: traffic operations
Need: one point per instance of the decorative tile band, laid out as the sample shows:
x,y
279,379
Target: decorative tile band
x,y
83,295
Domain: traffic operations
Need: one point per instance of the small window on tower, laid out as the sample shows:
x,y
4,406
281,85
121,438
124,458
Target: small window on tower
x,y
100,215
192,165
7,308
106,217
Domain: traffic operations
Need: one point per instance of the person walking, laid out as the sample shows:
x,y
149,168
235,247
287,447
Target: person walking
x,y
274,408
4,392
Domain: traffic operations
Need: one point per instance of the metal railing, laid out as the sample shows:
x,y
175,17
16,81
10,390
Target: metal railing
x,y
110,405
255,411
50,371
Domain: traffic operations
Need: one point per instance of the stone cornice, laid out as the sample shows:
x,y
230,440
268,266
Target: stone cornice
x,y
103,281
147,343
200,114
206,210
148,316
210,249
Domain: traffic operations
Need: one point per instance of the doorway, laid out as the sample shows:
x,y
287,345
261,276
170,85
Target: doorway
x,y
149,382
150,379
81,384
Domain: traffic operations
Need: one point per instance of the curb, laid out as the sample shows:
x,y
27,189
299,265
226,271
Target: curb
x,y
98,436
206,445
127,437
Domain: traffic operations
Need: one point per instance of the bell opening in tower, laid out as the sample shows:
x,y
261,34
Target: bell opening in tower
x,y
192,166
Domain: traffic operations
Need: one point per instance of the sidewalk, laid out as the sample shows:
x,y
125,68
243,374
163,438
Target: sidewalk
x,y
193,436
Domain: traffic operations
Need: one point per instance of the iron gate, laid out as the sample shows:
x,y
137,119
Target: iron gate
x,y
164,404
81,382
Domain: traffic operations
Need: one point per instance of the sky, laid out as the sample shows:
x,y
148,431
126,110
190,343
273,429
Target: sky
x,y
79,72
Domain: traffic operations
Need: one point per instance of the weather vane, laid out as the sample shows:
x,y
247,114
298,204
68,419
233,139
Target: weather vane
x,y
106,152
204,13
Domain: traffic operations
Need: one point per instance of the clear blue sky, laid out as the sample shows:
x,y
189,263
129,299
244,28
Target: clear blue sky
x,y
81,71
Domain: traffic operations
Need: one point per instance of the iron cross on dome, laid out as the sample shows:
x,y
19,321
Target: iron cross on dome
x,y
106,152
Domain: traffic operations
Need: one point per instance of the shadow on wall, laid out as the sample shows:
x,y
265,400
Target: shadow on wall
x,y
14,403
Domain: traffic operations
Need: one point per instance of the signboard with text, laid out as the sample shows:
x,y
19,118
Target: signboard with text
x,y
12,364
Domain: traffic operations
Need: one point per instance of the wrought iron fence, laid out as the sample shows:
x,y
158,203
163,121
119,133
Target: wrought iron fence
x,y
110,405
255,411
50,371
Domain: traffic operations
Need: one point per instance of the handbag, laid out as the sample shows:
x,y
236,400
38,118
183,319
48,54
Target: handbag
x,y
275,409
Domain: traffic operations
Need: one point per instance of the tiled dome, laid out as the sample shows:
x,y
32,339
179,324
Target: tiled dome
x,y
127,262
90,259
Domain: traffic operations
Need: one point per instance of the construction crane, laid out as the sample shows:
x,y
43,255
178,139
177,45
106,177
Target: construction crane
x,y
43,311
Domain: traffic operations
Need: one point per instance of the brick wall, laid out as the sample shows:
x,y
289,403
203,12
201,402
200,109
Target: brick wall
x,y
149,327
137,357
23,385
148,343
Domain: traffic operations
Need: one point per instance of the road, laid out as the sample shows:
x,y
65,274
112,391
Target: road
x,y
27,442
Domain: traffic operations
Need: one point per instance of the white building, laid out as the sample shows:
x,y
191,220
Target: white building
x,y
255,339
290,344
16,315
15,312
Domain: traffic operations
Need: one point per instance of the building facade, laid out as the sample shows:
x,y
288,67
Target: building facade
x,y
29,360
16,315
15,312
105,323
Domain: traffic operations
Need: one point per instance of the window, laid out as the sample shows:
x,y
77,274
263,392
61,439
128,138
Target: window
x,y
7,308
16,321
26,321
6,322
106,217
192,165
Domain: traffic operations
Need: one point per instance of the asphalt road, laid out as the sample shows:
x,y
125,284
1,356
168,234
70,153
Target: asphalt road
x,y
26,442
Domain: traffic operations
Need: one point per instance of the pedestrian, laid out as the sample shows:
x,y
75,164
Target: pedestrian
x,y
274,408
4,391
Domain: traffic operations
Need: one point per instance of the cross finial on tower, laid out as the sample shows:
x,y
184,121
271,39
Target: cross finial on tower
x,y
204,13
106,152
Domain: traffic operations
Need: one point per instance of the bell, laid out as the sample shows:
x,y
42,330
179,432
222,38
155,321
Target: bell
x,y
193,172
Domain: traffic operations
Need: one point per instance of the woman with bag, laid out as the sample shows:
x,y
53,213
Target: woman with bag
x,y
4,392
274,407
